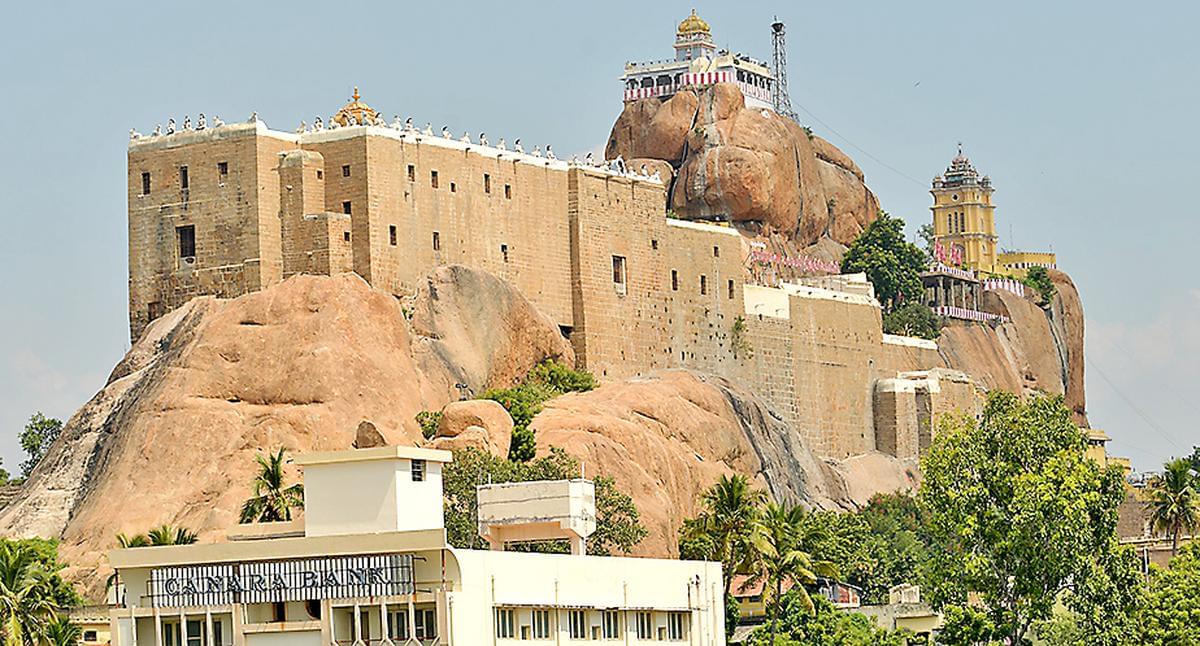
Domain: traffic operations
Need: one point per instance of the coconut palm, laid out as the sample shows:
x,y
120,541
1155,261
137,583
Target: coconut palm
x,y
273,500
1174,501
26,596
731,509
168,535
59,631
137,540
777,556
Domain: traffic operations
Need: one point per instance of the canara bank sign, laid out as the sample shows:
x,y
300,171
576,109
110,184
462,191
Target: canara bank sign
x,y
294,580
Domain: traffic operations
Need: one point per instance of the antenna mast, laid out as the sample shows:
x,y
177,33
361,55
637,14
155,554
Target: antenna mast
x,y
780,100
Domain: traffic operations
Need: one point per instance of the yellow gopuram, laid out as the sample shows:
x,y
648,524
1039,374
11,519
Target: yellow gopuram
x,y
964,216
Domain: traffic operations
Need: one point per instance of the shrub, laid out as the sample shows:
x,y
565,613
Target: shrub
x,y
523,402
429,420
912,319
1038,279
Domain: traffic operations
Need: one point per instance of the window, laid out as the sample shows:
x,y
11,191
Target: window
x,y
424,622
453,187
392,234
618,264
320,174
675,625
346,170
674,280
437,241
508,191
433,178
487,183
278,612
183,178
645,625
654,244
612,624
223,169
504,252
703,284
412,173
577,624
731,289
345,236
541,624
716,251
504,623
187,241
89,635
418,470
145,183
346,208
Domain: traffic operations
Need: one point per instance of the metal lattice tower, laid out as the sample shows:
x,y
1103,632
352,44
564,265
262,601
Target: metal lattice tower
x,y
779,98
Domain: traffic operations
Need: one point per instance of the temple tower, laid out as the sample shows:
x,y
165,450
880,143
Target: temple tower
x,y
964,216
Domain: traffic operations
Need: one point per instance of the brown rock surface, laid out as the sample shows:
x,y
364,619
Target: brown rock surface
x,y
746,164
481,423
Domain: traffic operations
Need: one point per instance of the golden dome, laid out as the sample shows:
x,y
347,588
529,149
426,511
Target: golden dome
x,y
693,24
355,112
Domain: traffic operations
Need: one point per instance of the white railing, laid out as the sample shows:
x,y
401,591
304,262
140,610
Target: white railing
x,y
1006,284
949,311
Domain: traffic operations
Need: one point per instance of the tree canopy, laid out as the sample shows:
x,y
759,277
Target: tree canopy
x,y
523,402
271,499
32,594
37,436
891,263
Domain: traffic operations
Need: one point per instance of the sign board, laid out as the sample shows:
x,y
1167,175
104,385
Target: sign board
x,y
338,577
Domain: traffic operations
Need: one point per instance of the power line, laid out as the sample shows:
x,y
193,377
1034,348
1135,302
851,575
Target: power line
x,y
1133,406
1129,355
860,148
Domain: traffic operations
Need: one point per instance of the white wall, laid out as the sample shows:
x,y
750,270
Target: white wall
x,y
370,497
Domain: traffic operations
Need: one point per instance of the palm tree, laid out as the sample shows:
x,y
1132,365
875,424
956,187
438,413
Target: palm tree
x,y
26,595
61,632
167,535
137,540
1174,502
272,500
778,556
731,509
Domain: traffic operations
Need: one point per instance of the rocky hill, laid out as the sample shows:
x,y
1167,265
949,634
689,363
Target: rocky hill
x,y
758,169
171,438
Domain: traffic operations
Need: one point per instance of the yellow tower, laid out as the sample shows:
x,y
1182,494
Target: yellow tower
x,y
964,216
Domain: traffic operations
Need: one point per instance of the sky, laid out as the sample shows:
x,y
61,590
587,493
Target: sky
x,y
1082,113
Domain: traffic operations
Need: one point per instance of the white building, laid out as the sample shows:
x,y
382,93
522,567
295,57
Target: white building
x,y
368,565
698,63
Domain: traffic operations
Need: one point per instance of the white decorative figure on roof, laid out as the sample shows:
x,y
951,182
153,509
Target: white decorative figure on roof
x,y
537,151
429,128
657,176
466,138
517,146
396,123
217,123
574,160
201,122
589,160
254,117
157,130
318,124
333,124
501,145
446,133
408,124
642,171
171,126
134,134
302,129
187,122
483,139
550,152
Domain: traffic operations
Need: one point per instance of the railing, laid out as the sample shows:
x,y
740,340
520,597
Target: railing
x,y
947,311
1005,284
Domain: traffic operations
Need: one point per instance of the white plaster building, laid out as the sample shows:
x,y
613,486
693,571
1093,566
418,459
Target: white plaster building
x,y
698,63
368,565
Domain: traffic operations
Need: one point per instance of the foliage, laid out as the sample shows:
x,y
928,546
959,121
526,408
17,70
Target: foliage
x,y
823,624
912,319
61,632
272,499
1173,601
4,474
726,526
36,438
161,535
1038,279
429,420
966,626
738,341
523,402
618,523
31,591
926,233
1174,503
1018,511
892,264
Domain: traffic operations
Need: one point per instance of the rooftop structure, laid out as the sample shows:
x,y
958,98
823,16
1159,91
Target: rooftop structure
x,y
699,63
376,570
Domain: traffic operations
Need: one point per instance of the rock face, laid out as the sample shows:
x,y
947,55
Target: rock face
x,y
478,423
751,166
173,434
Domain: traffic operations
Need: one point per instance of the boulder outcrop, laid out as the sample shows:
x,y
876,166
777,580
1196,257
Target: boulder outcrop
x,y
750,166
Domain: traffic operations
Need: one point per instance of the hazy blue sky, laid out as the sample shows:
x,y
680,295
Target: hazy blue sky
x,y
1084,115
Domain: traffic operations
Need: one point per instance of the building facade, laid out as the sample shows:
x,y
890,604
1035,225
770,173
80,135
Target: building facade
x,y
698,63
369,565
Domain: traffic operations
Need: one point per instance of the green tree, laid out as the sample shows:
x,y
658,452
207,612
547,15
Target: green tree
x,y
1173,601
727,524
1019,512
618,523
1174,502
168,535
31,590
39,433
928,237
60,631
272,499
429,421
912,319
892,264
1039,280
778,556
820,623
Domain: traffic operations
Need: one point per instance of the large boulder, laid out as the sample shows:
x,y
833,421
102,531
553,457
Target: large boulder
x,y
478,423
751,166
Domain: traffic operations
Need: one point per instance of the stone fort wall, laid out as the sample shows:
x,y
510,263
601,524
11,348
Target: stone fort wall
x,y
634,290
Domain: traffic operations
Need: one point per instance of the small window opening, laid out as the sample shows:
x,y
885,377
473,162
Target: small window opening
x,y
183,178
716,252
346,208
418,470
320,174
504,252
453,187
618,265
392,237
433,178
437,241
187,241
654,244
674,280
346,170
487,183
145,183
412,173
346,236
507,192
278,611
223,169
731,289
703,284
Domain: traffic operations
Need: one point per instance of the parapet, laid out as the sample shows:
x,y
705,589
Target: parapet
x,y
542,510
